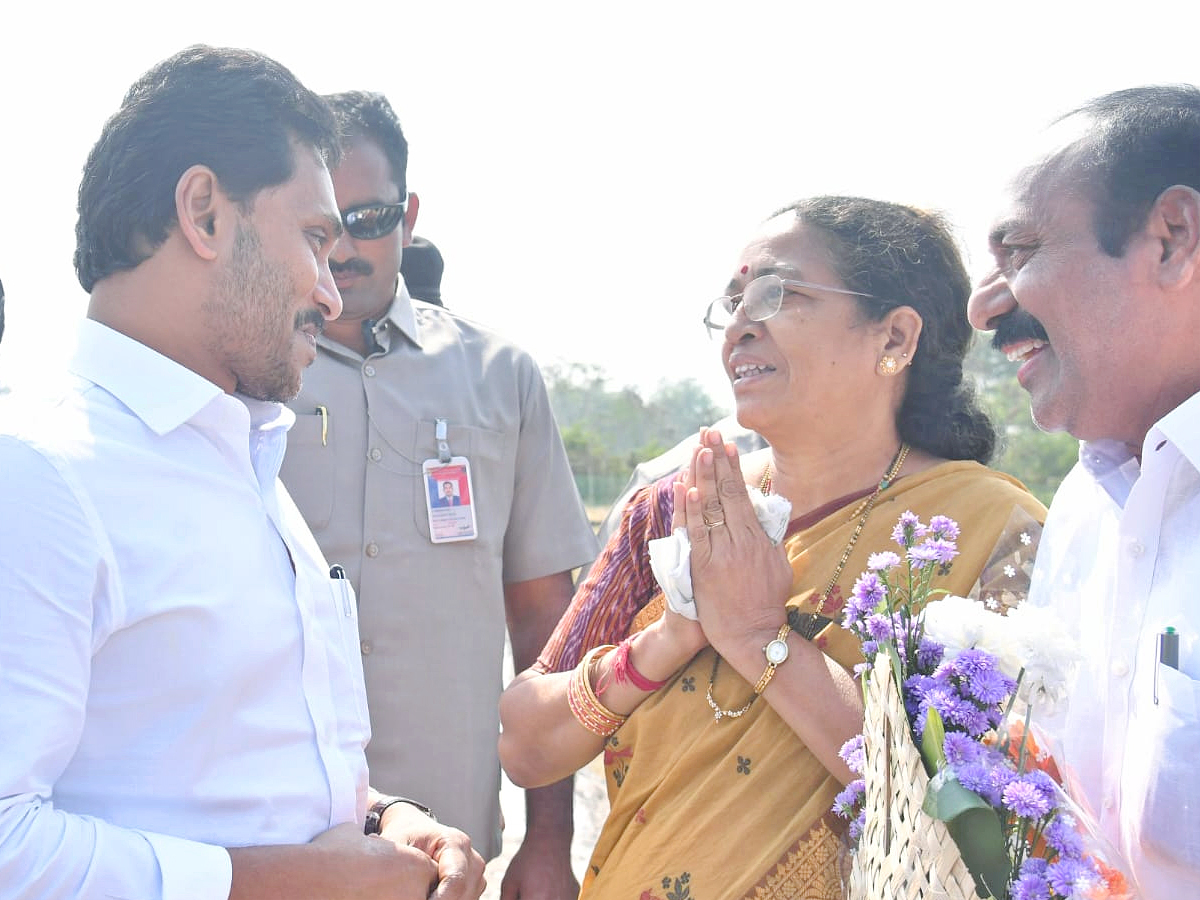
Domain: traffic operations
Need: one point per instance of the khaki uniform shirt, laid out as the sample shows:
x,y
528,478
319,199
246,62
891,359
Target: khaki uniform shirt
x,y
432,617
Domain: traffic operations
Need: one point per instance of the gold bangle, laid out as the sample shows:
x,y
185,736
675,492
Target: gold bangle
x,y
776,652
585,705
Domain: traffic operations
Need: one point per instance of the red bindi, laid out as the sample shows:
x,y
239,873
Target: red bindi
x,y
745,269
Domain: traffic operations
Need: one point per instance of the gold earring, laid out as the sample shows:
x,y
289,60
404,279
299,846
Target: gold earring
x,y
887,365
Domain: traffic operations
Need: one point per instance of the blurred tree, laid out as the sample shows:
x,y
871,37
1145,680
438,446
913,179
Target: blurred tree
x,y
608,432
1037,458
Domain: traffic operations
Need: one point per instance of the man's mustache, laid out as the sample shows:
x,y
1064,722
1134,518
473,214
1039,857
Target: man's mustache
x,y
354,266
1016,326
310,317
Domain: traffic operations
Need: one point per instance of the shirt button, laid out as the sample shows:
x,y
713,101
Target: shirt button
x,y
1109,802
376,456
369,371
1136,548
1120,668
367,647
372,549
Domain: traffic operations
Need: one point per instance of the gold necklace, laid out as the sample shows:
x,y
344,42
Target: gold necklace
x,y
807,624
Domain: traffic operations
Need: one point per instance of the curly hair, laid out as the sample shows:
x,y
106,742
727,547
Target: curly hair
x,y
907,257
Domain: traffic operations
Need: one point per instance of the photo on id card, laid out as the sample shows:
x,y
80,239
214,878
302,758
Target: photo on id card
x,y
449,500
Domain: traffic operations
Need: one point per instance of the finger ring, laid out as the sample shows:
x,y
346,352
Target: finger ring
x,y
711,525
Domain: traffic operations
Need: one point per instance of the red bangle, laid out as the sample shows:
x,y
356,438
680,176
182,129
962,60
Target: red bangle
x,y
623,669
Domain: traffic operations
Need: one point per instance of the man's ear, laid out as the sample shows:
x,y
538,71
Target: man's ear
x,y
1175,225
901,329
410,217
198,200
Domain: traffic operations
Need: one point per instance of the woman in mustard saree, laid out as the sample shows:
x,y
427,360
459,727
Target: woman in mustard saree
x,y
844,333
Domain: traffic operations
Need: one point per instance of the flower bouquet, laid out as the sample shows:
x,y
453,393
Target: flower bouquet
x,y
957,797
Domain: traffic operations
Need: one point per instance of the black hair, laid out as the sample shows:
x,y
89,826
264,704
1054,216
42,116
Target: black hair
x,y
235,111
367,114
1142,141
907,257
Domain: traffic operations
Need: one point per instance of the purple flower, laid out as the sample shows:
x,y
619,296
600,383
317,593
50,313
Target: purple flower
x,y
880,627
1062,836
944,551
944,527
974,776
857,826
908,529
1035,865
1028,796
922,555
846,803
854,754
881,562
868,592
929,654
1071,877
961,749
990,687
1030,886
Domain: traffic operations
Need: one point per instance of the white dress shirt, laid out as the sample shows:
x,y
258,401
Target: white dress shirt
x,y
1120,561
178,672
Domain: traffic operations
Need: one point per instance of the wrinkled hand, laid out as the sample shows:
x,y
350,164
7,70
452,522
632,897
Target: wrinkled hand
x,y
740,580
683,633
459,869
539,871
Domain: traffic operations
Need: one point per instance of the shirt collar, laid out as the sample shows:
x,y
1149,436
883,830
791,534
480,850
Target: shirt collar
x,y
1112,466
157,390
1181,426
403,316
1115,468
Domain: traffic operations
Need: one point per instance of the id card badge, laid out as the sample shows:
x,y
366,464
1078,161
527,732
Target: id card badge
x,y
449,500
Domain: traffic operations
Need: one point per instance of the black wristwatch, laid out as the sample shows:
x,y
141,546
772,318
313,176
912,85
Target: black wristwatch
x,y
374,821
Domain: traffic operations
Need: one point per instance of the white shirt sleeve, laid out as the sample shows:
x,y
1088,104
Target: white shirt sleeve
x,y
58,603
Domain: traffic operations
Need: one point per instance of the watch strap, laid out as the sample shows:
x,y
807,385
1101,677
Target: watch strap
x,y
374,820
784,630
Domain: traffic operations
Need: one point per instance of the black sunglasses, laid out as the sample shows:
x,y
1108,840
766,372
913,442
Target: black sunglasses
x,y
375,220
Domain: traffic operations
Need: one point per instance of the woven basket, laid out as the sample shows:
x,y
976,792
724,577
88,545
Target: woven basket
x,y
903,854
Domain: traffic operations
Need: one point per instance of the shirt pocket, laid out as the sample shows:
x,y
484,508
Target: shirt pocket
x,y
345,608
1167,744
491,487
310,455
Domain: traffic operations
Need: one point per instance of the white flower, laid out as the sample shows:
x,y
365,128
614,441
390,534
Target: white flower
x,y
1026,539
959,624
1009,571
1038,643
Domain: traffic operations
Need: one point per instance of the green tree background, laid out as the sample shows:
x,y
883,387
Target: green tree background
x,y
609,430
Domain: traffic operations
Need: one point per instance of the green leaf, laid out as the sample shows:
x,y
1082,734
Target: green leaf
x,y
933,751
976,829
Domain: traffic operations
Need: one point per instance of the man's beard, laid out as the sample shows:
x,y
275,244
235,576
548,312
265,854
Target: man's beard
x,y
250,300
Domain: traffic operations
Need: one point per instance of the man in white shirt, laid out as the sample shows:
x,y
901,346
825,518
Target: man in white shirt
x,y
181,701
1096,292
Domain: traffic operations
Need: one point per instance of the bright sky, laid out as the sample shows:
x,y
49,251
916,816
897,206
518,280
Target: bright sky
x,y
590,171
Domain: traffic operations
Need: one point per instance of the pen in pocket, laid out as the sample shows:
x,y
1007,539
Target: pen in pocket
x,y
338,574
1167,654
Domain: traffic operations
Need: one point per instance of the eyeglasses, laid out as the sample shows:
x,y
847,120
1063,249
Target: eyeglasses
x,y
762,298
374,220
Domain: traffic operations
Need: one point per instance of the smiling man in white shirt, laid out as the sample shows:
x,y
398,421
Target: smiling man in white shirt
x,y
181,700
1096,292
